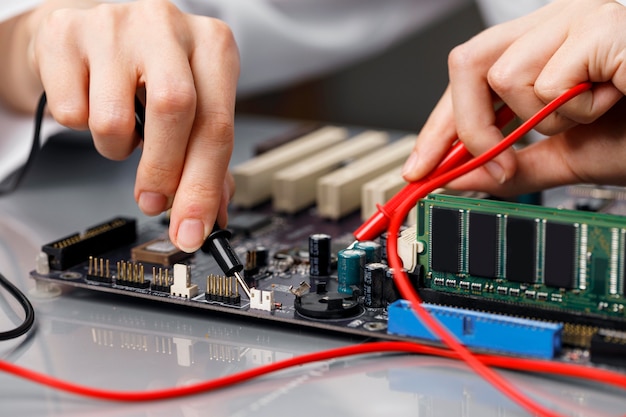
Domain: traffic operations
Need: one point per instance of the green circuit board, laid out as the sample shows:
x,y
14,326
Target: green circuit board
x,y
552,259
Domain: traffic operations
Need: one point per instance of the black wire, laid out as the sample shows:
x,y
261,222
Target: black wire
x,y
12,180
29,311
12,183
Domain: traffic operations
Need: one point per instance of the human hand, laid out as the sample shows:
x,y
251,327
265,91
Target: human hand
x,y
92,59
526,63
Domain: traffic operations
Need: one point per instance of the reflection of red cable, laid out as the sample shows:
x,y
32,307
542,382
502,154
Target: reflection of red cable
x,y
518,364
479,363
407,291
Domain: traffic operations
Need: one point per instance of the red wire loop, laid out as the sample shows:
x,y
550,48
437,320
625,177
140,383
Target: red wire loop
x,y
480,363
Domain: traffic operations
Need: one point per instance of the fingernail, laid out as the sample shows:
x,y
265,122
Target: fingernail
x,y
496,171
411,164
190,235
152,203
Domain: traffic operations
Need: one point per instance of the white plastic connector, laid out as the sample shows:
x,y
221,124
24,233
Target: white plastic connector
x,y
253,178
339,192
262,300
294,187
182,282
408,248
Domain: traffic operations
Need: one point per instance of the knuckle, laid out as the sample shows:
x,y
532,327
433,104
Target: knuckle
x,y
220,128
111,121
178,97
160,176
69,115
461,57
500,78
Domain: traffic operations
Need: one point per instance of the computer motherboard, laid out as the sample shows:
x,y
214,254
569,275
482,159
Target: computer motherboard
x,y
504,277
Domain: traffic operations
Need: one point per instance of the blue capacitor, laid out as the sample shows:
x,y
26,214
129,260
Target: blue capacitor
x,y
372,250
350,264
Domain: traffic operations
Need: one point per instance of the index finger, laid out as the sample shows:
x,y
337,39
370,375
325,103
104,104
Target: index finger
x,y
215,65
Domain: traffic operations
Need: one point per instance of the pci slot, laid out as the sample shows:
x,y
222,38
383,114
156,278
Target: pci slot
x,y
294,186
253,178
339,193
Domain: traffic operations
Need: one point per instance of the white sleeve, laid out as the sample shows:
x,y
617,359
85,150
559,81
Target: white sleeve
x,y
16,130
283,41
280,42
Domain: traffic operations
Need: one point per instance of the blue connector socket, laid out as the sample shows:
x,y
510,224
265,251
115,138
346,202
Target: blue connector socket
x,y
491,332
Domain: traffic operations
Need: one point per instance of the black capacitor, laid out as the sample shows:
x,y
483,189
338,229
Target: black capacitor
x,y
373,283
390,291
382,240
319,255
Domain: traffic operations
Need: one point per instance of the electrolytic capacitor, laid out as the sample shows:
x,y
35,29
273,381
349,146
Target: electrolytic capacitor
x,y
350,263
390,291
319,255
373,285
372,250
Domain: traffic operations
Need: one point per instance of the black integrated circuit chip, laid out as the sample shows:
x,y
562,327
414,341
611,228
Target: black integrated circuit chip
x,y
445,240
560,255
482,245
521,249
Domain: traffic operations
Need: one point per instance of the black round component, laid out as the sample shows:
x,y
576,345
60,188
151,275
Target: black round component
x,y
327,305
373,282
319,255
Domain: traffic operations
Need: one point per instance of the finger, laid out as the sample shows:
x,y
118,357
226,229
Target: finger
x,y
585,154
433,141
539,166
113,82
58,59
586,55
471,92
514,74
227,194
170,109
215,64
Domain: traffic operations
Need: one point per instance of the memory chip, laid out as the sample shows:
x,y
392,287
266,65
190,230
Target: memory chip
x,y
560,255
158,251
521,249
482,245
445,240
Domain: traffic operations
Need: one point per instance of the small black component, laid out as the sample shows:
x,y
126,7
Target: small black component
x,y
256,259
445,235
521,249
131,274
560,255
326,305
373,284
608,347
247,223
74,249
218,245
390,291
223,290
483,249
99,270
319,255
161,280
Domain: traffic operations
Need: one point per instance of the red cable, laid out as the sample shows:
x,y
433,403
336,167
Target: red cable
x,y
479,363
519,364
406,289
